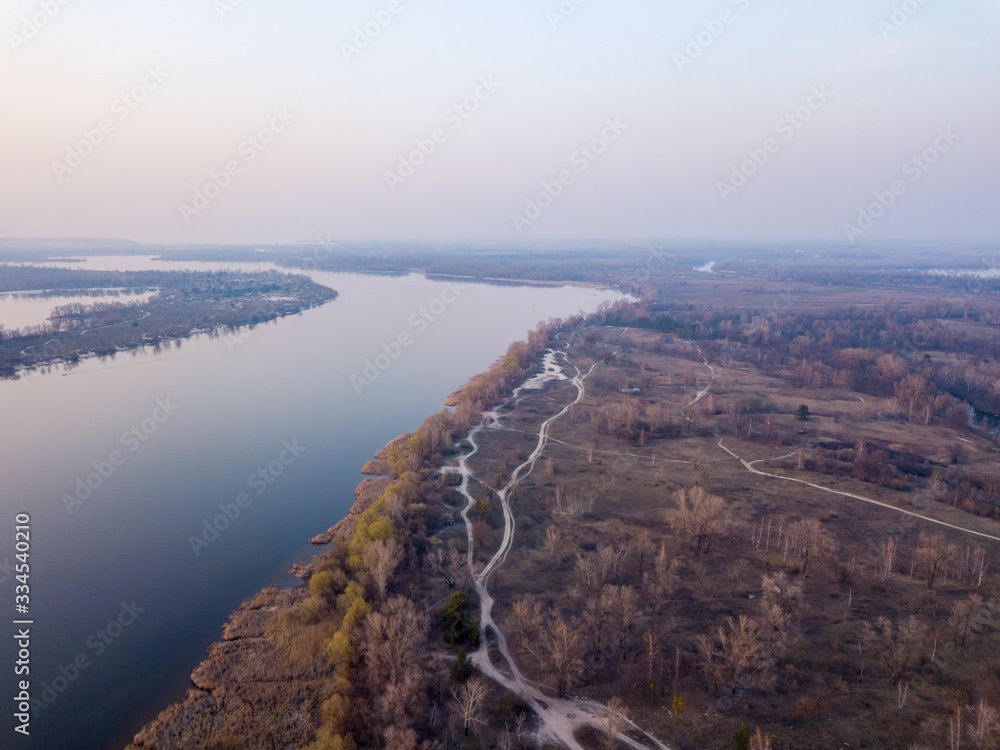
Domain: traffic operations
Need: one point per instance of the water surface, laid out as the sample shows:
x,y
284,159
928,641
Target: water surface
x,y
208,413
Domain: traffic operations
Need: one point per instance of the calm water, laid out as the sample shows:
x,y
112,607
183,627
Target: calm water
x,y
228,407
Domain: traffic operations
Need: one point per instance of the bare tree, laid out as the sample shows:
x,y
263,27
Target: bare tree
x,y
615,720
447,562
560,642
886,559
643,544
679,518
468,703
611,559
622,603
781,603
381,559
390,639
652,649
760,741
980,566
552,537
735,574
734,656
398,738
526,624
984,725
661,582
933,554
698,514
588,566
809,541
964,617
894,646
594,619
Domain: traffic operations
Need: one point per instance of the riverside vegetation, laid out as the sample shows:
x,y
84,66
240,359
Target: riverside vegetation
x,y
769,522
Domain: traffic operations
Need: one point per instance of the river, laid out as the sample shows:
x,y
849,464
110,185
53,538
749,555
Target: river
x,y
125,466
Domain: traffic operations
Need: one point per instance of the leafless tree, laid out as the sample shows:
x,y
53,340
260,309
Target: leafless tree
x,y
594,620
965,615
894,646
886,559
468,703
588,566
622,603
643,544
650,645
760,741
734,655
526,624
735,574
621,418
391,641
560,642
679,518
661,582
552,537
781,603
980,566
933,554
809,541
615,721
398,738
984,725
699,515
447,562
381,559
611,559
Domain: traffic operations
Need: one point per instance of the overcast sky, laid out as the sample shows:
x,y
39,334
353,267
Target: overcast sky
x,y
727,119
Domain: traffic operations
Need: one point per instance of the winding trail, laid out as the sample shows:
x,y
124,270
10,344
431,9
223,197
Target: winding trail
x,y
560,718
749,466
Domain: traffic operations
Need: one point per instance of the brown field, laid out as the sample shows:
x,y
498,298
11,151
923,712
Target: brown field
x,y
822,689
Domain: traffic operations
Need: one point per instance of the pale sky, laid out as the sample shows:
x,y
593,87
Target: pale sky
x,y
881,92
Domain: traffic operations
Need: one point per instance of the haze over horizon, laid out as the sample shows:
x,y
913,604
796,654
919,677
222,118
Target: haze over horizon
x,y
526,121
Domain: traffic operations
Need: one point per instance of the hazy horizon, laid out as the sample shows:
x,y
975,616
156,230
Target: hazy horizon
x,y
591,121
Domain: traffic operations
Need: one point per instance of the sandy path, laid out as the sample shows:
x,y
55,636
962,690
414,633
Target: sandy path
x,y
560,718
749,466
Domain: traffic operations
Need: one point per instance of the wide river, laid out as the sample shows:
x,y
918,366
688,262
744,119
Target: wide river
x,y
121,462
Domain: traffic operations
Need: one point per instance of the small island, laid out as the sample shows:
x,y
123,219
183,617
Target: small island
x,y
179,304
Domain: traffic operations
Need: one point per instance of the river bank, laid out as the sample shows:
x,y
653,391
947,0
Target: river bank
x,y
246,692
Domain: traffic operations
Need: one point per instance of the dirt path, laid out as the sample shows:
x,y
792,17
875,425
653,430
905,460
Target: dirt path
x,y
560,718
749,466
